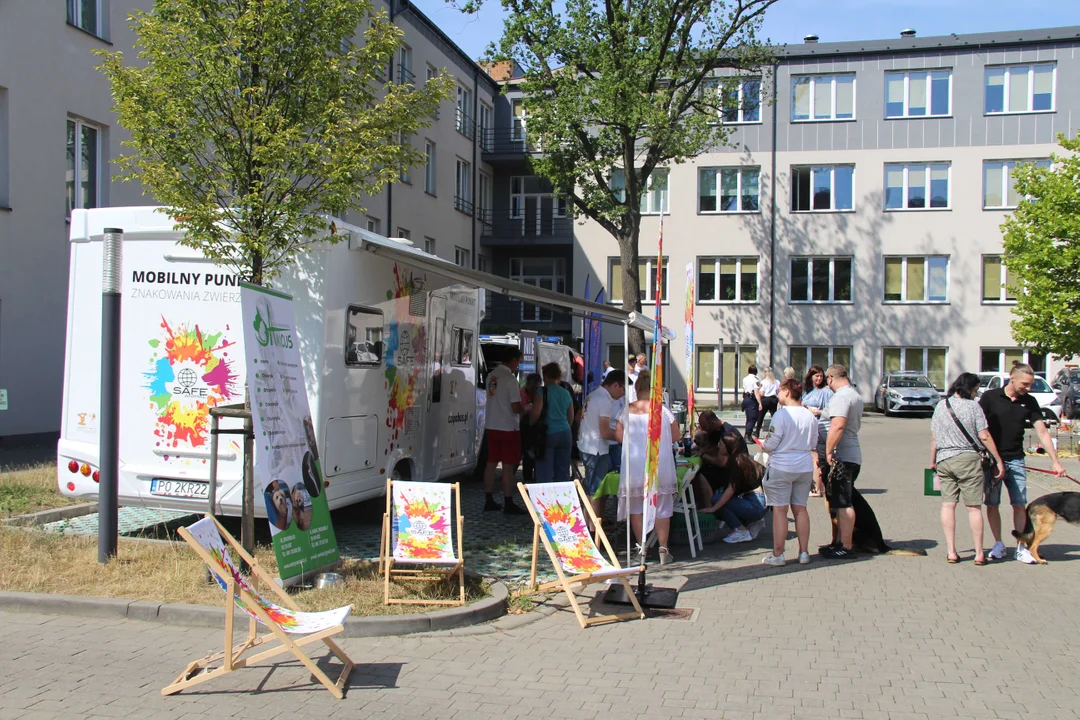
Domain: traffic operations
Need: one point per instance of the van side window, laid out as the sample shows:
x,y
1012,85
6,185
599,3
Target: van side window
x,y
363,337
463,346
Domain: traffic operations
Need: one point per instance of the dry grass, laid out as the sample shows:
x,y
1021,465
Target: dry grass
x,y
30,489
167,572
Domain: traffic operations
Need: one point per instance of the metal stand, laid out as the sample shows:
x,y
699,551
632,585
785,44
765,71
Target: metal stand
x,y
109,439
247,523
648,595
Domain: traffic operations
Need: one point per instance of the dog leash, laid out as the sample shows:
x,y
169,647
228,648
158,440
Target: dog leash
x,y
1051,472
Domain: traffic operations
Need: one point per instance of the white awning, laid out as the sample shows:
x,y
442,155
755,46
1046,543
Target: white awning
x,y
559,302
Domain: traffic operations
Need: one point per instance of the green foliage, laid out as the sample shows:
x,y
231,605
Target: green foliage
x,y
634,84
1042,249
250,118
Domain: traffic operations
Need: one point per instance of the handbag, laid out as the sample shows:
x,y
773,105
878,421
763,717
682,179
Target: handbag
x,y
540,429
985,458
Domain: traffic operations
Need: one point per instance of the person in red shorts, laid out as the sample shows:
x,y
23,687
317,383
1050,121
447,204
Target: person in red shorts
x,y
501,423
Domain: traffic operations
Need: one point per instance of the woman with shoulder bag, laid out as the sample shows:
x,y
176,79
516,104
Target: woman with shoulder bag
x,y
959,460
553,416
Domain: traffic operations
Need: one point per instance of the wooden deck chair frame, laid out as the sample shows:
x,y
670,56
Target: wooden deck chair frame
x,y
420,574
585,579
199,671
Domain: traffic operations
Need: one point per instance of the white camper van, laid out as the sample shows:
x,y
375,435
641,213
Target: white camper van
x,y
388,338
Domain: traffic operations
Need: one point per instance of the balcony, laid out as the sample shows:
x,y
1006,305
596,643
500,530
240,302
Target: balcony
x,y
405,77
463,205
506,141
465,124
541,228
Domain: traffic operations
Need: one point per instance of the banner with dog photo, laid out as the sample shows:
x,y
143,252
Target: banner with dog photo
x,y
287,466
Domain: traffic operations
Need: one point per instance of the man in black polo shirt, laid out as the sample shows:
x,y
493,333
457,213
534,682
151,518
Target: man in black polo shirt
x,y
1008,412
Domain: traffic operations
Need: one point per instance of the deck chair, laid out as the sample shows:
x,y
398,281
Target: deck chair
x,y
556,510
417,533
208,538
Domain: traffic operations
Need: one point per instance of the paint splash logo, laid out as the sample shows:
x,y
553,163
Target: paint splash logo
x,y
191,373
405,352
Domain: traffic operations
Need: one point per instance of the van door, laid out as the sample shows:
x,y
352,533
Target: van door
x,y
458,428
437,389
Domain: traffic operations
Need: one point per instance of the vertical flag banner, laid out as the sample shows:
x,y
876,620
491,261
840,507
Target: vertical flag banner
x,y
596,359
656,404
689,345
586,345
287,466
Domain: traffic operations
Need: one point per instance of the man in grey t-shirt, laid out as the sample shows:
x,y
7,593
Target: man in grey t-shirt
x,y
844,414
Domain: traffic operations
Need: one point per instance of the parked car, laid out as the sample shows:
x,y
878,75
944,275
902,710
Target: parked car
x,y
906,392
1040,390
1067,385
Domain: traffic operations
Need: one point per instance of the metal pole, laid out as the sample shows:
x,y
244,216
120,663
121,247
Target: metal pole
x,y
720,379
247,526
211,492
109,439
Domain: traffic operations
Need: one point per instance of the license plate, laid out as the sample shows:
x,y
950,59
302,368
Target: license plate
x,y
179,488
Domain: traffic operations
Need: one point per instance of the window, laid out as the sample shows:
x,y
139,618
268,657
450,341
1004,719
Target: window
x,y
403,172
405,74
655,198
646,279
999,185
823,97
918,93
84,14
917,279
820,279
534,202
517,120
906,185
801,357
363,337
728,189
483,196
461,352
373,224
462,185
431,74
429,169
617,183
928,361
1019,89
707,365
83,171
463,122
732,279
827,187
404,234
544,273
742,102
999,283
462,257
1003,360
484,130
429,245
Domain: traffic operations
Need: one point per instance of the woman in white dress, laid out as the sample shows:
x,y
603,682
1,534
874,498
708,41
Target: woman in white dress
x,y
632,430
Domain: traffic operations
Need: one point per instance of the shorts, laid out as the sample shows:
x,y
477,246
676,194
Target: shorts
x,y
787,488
504,446
961,478
596,469
839,491
1015,480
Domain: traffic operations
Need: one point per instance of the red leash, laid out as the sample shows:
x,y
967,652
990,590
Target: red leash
x,y
1051,472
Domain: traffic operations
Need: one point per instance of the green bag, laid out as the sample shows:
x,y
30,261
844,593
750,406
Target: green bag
x,y
931,486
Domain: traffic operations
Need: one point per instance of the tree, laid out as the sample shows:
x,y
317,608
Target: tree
x,y
1042,252
615,90
249,119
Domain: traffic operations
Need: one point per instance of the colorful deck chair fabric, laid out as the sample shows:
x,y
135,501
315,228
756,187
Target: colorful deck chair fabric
x,y
212,543
417,530
559,524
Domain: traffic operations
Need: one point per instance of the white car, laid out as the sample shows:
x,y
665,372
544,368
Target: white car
x,y
1040,390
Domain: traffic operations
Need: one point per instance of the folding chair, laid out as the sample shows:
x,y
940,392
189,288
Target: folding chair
x,y
556,509
205,538
687,505
416,531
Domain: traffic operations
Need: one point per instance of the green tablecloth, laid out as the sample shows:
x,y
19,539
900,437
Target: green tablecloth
x,y
610,484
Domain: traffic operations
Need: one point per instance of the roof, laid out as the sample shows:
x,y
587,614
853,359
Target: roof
x,y
1005,39
403,5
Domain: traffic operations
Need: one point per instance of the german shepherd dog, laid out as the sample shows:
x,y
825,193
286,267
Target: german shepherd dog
x,y
1042,513
866,536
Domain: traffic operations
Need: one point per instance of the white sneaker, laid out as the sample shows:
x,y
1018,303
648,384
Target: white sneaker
x,y
739,536
755,528
1024,555
998,551
666,557
804,558
773,560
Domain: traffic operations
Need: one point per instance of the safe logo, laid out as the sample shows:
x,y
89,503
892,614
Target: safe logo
x,y
266,333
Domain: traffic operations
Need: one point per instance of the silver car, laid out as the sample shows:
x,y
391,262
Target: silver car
x,y
906,392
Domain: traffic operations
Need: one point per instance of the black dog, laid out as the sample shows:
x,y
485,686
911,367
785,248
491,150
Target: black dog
x,y
867,534
1042,513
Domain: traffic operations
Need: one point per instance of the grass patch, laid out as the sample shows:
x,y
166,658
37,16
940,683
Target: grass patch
x,y
171,572
29,489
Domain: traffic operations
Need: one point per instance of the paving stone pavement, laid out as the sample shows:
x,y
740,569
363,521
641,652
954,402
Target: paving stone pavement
x,y
878,637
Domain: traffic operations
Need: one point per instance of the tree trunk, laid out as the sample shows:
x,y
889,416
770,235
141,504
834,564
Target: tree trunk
x,y
631,283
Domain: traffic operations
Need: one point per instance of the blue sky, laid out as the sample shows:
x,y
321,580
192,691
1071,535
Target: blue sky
x,y
789,20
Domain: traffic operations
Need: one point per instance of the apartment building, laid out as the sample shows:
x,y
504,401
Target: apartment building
x,y
59,140
855,218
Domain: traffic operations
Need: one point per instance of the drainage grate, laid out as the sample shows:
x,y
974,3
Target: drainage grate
x,y
670,614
